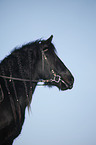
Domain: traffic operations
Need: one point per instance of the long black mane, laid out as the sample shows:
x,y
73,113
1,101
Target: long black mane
x,y
21,57
20,72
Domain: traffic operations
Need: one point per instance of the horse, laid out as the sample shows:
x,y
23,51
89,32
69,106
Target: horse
x,y
20,73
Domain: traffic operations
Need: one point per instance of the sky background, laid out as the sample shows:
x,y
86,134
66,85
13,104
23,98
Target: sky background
x,y
57,117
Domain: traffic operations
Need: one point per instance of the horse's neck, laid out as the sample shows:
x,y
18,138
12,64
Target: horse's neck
x,y
26,71
16,68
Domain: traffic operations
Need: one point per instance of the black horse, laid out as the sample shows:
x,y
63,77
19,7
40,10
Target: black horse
x,y
20,72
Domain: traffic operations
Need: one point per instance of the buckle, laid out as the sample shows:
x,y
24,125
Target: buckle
x,y
57,79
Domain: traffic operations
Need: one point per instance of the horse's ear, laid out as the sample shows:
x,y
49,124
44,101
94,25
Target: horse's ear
x,y
48,41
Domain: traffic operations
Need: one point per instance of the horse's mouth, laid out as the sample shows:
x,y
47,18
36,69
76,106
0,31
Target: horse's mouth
x,y
64,85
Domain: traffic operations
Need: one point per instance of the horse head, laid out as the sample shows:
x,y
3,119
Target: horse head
x,y
52,68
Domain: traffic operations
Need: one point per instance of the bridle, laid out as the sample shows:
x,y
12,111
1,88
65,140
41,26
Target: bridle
x,y
56,79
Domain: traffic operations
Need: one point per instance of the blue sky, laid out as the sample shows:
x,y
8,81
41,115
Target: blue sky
x,y
57,117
